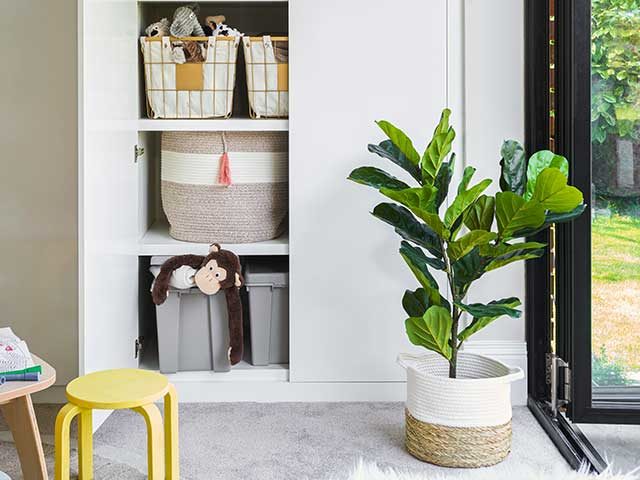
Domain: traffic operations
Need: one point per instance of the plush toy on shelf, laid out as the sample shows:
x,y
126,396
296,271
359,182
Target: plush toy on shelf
x,y
158,29
219,270
185,22
215,26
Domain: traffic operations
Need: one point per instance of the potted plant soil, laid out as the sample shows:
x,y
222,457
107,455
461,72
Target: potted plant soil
x,y
458,411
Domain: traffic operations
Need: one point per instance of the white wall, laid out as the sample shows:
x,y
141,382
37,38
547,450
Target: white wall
x,y
494,99
38,179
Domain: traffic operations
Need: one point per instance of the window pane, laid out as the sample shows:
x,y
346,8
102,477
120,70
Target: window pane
x,y
615,136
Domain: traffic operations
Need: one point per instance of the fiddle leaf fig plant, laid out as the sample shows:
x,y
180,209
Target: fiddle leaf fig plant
x,y
471,235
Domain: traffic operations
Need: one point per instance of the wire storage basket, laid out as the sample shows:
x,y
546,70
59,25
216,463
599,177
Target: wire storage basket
x,y
267,66
199,89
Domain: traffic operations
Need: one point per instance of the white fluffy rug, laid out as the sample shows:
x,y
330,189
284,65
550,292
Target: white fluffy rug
x,y
370,471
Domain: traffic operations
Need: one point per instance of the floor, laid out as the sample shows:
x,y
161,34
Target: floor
x,y
283,441
618,444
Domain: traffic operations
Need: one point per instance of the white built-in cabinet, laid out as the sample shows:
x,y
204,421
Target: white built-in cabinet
x,y
351,62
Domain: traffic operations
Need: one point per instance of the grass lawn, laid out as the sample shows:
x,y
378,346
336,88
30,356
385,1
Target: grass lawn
x,y
616,288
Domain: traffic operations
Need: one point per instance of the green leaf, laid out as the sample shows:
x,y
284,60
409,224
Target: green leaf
x,y
400,140
551,218
506,253
386,149
514,213
376,178
554,194
479,323
443,180
436,263
468,269
497,308
513,177
417,262
564,217
421,198
465,244
416,302
538,162
466,178
408,227
463,201
438,149
432,330
479,216
421,202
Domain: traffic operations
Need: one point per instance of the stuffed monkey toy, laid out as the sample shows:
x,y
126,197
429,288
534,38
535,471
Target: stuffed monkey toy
x,y
219,270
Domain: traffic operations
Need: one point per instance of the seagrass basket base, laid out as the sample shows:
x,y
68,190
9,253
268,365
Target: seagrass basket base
x,y
459,447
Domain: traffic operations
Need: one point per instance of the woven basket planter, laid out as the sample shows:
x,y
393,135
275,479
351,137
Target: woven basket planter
x,y
202,207
463,422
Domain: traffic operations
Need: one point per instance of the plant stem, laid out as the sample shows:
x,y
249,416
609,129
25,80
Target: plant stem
x,y
453,363
455,314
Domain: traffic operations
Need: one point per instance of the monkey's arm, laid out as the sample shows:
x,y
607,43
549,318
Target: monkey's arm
x,y
234,309
161,285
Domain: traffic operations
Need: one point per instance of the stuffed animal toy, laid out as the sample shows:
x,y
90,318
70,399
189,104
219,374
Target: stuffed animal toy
x,y
178,55
193,52
216,26
158,29
219,270
185,22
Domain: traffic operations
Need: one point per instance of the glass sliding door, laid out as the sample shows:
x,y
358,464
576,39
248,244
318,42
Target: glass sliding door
x,y
598,262
615,219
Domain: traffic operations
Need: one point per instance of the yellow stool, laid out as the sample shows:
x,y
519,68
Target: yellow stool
x,y
116,390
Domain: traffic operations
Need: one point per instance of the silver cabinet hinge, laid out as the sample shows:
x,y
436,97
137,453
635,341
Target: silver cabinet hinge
x,y
559,380
138,345
138,151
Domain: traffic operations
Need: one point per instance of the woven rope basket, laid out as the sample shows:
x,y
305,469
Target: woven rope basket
x,y
463,422
252,208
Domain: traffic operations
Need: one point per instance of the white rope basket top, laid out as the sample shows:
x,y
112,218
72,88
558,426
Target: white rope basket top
x,y
480,396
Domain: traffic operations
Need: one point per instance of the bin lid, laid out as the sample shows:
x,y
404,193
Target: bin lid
x,y
157,261
267,272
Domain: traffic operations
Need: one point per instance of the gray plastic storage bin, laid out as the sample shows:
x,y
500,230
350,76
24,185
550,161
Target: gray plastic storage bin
x,y
268,293
193,330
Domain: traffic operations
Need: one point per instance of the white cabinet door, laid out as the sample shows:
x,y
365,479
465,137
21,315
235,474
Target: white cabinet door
x,y
108,182
353,62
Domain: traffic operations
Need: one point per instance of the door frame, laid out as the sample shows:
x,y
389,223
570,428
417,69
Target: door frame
x,y
569,440
574,239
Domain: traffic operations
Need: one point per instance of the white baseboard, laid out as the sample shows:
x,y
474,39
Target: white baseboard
x,y
512,353
193,388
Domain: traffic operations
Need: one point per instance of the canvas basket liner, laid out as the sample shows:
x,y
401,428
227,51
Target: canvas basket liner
x,y
267,67
201,209
189,90
462,422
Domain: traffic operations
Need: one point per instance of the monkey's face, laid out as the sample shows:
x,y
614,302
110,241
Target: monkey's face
x,y
210,276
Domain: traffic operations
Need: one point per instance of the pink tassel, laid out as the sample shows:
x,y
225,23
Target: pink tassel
x,y
224,177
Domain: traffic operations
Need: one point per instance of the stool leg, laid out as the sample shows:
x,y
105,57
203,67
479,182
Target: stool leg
x,y
63,424
153,419
171,454
85,445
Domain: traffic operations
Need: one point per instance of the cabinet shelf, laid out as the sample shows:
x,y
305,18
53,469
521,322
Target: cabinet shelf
x,y
209,1
157,241
214,125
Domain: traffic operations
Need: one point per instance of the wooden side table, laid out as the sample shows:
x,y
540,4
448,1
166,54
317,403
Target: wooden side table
x,y
17,409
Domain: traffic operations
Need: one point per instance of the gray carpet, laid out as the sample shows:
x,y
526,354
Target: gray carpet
x,y
619,444
285,441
